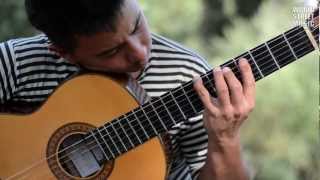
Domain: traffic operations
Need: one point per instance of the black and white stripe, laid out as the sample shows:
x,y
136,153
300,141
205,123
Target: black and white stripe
x,y
30,72
171,65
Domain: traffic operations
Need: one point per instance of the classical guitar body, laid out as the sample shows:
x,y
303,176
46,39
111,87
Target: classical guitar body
x,y
87,127
37,146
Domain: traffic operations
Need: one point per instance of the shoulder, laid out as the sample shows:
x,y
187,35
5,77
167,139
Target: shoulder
x,y
26,43
170,54
30,47
34,52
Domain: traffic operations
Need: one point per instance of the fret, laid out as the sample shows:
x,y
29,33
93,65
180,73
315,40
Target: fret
x,y
157,120
265,59
192,106
252,64
298,39
288,43
150,122
122,133
174,99
252,58
163,112
274,58
281,50
105,143
232,64
235,64
131,128
154,118
193,97
102,149
115,145
145,123
184,102
208,83
170,106
92,145
118,137
146,136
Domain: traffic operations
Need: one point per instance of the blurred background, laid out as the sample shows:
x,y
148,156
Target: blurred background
x,y
281,137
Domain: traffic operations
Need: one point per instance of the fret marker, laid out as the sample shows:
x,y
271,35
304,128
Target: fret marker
x,y
261,74
274,59
294,54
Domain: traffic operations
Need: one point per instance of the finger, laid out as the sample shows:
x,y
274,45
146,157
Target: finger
x,y
235,87
248,80
221,87
204,95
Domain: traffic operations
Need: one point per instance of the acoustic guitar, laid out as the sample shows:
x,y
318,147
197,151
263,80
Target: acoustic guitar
x,y
92,127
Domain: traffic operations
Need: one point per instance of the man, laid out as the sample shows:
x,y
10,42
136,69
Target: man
x,y
113,36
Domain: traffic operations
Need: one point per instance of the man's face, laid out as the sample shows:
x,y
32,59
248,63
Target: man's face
x,y
125,50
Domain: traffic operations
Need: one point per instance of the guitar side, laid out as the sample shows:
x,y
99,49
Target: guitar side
x,y
87,99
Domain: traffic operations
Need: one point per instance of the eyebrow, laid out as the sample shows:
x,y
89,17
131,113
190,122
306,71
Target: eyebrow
x,y
134,30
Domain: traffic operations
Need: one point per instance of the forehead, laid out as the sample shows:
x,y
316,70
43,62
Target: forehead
x,y
124,24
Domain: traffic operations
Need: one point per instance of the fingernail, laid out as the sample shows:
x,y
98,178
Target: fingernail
x,y
242,60
196,78
226,69
217,69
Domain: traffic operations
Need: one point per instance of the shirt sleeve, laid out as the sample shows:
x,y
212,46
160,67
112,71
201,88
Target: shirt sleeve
x,y
8,71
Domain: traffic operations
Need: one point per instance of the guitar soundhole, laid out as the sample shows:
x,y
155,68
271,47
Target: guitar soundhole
x,y
80,160
75,158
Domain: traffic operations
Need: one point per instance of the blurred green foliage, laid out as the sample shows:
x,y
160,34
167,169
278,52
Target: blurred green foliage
x,y
13,20
281,138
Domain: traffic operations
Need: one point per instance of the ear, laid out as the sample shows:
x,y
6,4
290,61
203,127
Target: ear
x,y
61,52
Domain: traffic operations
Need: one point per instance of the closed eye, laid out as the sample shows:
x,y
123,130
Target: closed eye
x,y
136,26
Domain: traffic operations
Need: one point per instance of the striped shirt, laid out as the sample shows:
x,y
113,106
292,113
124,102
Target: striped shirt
x,y
30,72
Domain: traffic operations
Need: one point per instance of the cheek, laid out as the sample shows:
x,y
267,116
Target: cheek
x,y
145,34
116,63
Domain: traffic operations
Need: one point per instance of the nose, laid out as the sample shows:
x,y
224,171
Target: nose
x,y
137,50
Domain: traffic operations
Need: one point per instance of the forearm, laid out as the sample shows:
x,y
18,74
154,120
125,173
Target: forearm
x,y
224,162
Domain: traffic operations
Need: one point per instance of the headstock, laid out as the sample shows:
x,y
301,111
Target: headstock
x,y
313,25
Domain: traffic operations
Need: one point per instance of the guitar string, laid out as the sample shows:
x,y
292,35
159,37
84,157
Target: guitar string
x,y
76,143
168,116
153,116
83,152
249,59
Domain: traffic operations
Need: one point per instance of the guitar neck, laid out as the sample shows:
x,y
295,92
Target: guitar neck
x,y
161,114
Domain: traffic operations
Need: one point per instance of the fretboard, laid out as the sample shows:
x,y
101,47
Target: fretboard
x,y
161,114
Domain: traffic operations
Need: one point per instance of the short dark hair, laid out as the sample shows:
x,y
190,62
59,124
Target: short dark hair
x,y
62,20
